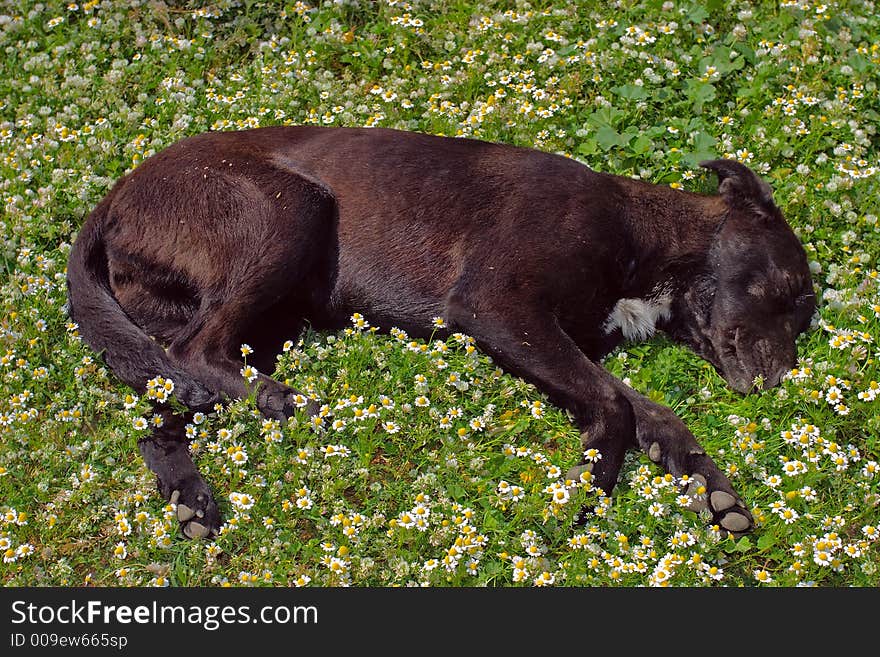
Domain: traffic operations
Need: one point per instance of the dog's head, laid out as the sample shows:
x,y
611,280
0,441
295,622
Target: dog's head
x,y
755,294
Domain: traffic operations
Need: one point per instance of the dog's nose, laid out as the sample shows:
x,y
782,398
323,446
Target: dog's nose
x,y
773,360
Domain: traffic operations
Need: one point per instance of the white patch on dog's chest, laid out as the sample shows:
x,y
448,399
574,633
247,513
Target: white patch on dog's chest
x,y
637,318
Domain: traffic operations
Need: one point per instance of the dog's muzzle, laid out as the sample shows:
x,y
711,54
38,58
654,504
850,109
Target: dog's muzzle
x,y
750,364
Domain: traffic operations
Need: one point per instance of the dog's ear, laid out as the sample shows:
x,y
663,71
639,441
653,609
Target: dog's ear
x,y
741,187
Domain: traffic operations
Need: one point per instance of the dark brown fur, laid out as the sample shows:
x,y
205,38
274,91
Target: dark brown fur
x,y
225,238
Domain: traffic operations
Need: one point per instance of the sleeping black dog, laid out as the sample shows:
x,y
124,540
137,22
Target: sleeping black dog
x,y
226,238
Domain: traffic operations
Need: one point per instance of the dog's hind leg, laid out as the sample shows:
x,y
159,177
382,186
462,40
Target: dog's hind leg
x,y
256,274
166,453
211,355
263,303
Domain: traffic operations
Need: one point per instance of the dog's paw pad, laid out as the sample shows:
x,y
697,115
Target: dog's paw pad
x,y
736,521
721,501
727,510
197,530
185,513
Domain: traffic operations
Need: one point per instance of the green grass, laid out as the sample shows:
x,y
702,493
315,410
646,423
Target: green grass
x,y
455,491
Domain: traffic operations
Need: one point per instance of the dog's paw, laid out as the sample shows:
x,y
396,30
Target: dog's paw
x,y
197,511
193,394
667,442
715,494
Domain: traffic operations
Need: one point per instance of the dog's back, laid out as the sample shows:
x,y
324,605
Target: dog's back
x,y
422,214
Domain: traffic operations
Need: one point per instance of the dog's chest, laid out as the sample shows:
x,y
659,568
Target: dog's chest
x,y
637,318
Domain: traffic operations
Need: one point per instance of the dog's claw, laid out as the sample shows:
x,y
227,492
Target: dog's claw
x,y
585,439
575,473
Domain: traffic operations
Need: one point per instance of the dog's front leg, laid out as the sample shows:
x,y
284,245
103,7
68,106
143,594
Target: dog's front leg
x,y
535,348
662,435
611,416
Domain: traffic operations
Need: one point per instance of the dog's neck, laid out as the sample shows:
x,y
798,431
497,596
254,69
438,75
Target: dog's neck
x,y
671,233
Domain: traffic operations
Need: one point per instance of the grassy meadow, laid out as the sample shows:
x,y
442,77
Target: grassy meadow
x,y
429,465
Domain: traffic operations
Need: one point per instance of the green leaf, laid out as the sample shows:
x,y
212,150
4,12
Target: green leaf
x,y
605,116
588,147
456,491
629,133
703,149
724,59
704,143
490,522
630,92
698,14
833,24
607,137
756,88
743,544
699,93
766,541
656,396
858,62
746,52
641,144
